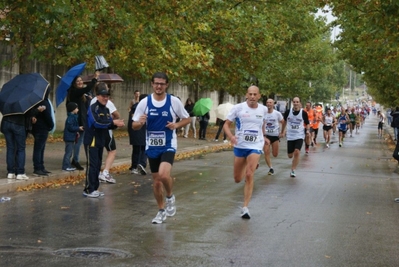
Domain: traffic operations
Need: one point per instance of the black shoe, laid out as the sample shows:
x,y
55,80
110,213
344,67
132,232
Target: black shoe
x,y
77,165
40,173
141,169
46,171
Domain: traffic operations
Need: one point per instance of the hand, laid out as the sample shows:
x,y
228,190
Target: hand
x,y
143,119
34,120
96,74
81,128
171,125
119,123
233,140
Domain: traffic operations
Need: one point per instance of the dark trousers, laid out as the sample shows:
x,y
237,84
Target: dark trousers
x,y
202,130
94,156
38,149
138,156
15,136
221,123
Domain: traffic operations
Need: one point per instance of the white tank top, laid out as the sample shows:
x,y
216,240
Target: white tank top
x,y
272,123
295,126
328,120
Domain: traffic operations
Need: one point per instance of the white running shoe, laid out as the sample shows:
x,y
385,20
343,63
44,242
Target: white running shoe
x,y
11,176
106,178
160,218
22,177
245,213
170,206
93,194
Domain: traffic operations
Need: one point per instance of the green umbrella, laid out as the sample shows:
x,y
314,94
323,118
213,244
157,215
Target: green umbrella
x,y
202,106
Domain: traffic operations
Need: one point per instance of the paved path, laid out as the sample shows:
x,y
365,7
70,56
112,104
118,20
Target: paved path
x,y
55,151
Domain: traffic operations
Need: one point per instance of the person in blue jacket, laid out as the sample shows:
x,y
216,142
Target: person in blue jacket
x,y
71,134
99,120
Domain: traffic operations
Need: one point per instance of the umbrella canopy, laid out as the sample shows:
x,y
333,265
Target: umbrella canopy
x,y
104,77
66,82
202,106
223,110
22,93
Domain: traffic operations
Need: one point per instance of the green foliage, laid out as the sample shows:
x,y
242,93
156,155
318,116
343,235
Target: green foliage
x,y
369,42
218,43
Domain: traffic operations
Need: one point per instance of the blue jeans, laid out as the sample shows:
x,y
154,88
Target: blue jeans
x,y
38,150
66,162
76,148
15,136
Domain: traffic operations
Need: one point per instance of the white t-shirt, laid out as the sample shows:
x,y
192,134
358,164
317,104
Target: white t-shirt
x,y
272,123
249,124
109,105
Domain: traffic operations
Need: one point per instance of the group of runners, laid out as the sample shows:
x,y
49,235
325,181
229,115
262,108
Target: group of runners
x,y
258,131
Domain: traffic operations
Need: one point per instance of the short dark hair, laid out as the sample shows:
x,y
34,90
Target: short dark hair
x,y
101,86
160,75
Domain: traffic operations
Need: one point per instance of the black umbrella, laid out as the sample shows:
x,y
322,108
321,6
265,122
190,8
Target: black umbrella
x,y
22,93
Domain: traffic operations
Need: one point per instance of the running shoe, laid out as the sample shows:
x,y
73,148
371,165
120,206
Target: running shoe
x,y
245,213
100,194
293,175
106,178
11,176
141,169
271,172
93,194
134,171
22,177
327,145
170,206
160,218
340,144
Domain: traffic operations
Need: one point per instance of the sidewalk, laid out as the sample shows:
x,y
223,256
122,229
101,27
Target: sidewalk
x,y
54,154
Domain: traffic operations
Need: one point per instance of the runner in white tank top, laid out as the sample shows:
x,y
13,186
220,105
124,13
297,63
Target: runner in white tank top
x,y
272,131
248,141
295,121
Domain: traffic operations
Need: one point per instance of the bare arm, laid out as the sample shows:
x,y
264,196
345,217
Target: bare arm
x,y
229,134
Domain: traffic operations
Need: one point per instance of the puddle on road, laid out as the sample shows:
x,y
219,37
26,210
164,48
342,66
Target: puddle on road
x,y
85,253
93,253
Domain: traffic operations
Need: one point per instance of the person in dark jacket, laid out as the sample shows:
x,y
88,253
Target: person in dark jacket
x,y
189,106
137,140
203,120
81,95
395,122
71,130
42,123
13,128
99,121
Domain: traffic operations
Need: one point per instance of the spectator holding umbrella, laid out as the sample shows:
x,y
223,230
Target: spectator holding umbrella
x,y
81,95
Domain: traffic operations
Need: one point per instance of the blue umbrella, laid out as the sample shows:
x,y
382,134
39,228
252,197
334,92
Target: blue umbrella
x,y
22,93
66,81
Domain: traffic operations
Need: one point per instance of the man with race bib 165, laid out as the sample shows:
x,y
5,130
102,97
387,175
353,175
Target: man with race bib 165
x,y
160,110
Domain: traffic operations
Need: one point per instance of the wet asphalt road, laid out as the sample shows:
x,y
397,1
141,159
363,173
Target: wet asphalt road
x,y
339,211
